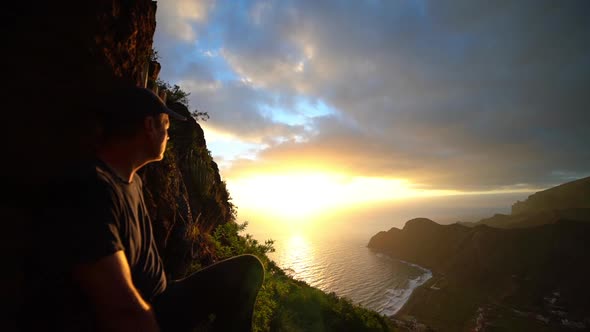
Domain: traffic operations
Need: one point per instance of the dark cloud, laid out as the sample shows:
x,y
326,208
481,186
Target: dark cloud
x,y
467,94
234,107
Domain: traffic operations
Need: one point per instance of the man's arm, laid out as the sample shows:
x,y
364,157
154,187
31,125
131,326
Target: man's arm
x,y
119,306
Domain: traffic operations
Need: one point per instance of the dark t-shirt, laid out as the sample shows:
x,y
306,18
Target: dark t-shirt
x,y
89,215
114,217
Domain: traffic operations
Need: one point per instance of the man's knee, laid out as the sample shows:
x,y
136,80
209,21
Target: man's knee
x,y
252,264
252,267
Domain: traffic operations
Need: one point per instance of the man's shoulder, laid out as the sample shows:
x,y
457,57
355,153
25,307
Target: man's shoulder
x,y
90,179
103,176
137,179
83,189
91,172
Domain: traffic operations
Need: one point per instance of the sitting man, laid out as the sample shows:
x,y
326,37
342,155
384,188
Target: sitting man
x,y
109,265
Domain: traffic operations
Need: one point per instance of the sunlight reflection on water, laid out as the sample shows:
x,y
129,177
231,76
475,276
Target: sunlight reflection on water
x,y
348,268
296,257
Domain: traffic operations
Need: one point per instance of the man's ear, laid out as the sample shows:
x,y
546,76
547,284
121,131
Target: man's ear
x,y
149,124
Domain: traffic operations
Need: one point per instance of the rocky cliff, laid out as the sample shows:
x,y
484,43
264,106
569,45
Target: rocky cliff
x,y
529,273
63,56
186,197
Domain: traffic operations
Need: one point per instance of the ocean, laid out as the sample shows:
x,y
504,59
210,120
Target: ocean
x,y
350,269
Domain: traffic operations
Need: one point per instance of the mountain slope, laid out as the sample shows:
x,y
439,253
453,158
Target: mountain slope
x,y
574,194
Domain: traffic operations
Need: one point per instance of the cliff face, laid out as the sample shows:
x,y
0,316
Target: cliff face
x,y
186,197
61,56
57,57
72,53
538,270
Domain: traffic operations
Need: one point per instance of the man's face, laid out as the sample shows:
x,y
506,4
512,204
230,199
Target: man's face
x,y
159,136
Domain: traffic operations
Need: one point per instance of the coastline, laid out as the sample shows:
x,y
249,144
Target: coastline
x,y
398,298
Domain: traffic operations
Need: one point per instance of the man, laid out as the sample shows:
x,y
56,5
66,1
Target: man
x,y
110,273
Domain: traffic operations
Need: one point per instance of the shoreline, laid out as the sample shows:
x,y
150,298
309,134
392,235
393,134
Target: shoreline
x,y
425,284
426,276
399,297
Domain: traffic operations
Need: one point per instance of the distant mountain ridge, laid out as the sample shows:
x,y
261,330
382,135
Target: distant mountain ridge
x,y
532,262
574,194
568,201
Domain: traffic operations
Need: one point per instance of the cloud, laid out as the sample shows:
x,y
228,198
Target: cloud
x,y
235,108
176,19
469,96
342,149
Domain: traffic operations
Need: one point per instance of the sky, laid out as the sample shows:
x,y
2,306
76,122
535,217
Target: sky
x,y
319,105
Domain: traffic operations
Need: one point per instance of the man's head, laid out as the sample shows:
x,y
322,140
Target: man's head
x,y
138,117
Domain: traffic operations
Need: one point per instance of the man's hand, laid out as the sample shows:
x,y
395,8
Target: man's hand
x,y
119,306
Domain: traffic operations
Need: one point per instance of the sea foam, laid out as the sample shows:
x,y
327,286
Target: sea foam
x,y
397,297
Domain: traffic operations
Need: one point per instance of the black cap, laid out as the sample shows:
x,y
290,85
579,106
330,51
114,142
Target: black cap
x,y
134,102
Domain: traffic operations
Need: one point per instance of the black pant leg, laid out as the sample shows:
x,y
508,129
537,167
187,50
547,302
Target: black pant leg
x,y
226,290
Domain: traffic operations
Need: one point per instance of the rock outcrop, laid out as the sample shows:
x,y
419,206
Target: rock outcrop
x,y
57,58
186,197
63,57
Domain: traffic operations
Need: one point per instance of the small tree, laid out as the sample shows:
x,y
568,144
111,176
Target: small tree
x,y
153,55
198,115
176,94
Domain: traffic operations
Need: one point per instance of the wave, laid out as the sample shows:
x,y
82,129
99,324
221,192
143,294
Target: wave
x,y
396,298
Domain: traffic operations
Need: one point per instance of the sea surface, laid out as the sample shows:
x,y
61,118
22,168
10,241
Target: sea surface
x,y
350,269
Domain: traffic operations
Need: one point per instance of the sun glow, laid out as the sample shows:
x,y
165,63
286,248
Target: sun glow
x,y
297,197
297,257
